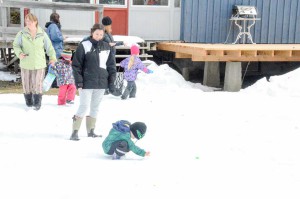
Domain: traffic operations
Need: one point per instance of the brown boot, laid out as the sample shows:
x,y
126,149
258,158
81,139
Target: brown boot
x,y
90,127
75,128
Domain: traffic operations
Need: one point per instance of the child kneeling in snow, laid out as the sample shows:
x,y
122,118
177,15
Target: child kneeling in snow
x,y
131,67
119,140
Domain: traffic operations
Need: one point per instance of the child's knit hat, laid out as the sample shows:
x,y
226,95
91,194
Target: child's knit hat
x,y
138,129
66,54
134,50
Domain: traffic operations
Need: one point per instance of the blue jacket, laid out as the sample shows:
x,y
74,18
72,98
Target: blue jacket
x,y
56,37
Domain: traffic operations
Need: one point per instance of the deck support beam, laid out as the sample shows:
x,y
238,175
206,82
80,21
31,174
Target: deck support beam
x,y
233,76
185,73
211,74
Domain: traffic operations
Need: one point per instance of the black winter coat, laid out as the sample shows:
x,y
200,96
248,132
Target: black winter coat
x,y
109,39
94,65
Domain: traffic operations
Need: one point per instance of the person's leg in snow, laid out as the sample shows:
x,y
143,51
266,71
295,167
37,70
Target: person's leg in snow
x,y
75,127
133,90
71,93
62,95
28,99
128,89
118,149
90,127
37,101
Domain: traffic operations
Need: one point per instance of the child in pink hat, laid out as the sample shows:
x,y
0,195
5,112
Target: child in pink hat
x,y
131,67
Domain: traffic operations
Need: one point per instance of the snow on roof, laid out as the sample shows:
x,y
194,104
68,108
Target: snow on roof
x,y
126,39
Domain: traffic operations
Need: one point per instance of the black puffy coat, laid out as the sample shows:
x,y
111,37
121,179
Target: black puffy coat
x,y
94,65
110,39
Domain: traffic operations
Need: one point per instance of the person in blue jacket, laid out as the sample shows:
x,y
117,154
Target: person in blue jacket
x,y
54,33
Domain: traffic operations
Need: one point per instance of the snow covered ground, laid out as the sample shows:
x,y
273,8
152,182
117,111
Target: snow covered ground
x,y
209,145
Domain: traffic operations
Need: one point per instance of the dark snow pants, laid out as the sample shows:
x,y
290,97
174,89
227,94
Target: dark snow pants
x,y
129,90
119,147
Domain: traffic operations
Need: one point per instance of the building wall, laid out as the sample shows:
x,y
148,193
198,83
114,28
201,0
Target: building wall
x,y
70,19
155,22
207,21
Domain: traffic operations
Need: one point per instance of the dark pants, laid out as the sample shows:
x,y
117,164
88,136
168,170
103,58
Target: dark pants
x,y
129,90
119,147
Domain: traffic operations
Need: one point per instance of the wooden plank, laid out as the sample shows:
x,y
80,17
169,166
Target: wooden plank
x,y
199,52
283,53
236,53
265,52
215,52
244,58
296,53
249,53
182,55
175,48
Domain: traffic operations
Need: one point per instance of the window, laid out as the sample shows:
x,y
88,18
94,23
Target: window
x,y
14,17
177,3
73,1
151,2
112,2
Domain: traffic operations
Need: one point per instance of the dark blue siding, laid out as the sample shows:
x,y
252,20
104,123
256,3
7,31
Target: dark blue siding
x,y
207,21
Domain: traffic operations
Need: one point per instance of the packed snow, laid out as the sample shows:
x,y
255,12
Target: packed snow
x,y
204,143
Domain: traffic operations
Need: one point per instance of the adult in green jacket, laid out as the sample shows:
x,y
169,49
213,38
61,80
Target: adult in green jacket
x,y
30,45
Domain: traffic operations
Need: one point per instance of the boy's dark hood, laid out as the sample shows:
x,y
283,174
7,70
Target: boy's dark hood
x,y
122,125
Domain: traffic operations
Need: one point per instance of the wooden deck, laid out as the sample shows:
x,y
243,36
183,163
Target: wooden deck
x,y
233,55
233,52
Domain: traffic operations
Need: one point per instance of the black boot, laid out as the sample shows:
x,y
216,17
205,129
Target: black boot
x,y
74,136
106,92
93,135
28,99
37,101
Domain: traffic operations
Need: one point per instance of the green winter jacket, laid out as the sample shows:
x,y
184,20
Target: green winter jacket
x,y
115,135
35,48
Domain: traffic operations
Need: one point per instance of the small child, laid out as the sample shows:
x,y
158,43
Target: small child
x,y
131,67
65,80
119,140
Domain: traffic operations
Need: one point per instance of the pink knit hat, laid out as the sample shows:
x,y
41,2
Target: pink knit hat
x,y
66,54
134,50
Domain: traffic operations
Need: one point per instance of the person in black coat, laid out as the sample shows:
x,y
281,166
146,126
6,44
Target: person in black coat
x,y
94,70
108,37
